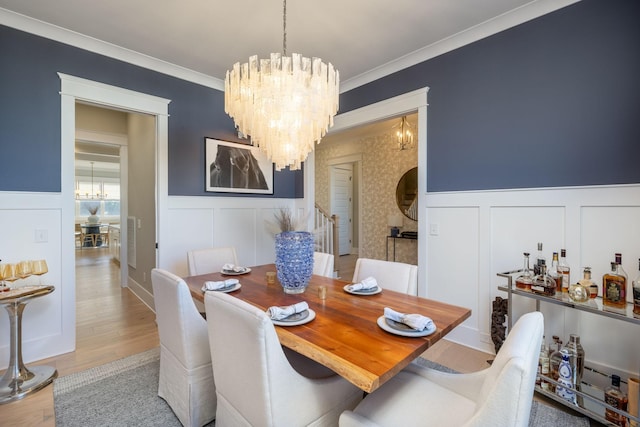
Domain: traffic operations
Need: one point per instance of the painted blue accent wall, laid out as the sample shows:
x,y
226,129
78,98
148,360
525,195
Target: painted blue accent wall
x,y
551,102
30,115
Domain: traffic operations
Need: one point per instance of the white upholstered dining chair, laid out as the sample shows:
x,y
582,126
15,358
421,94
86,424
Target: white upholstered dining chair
x,y
186,375
499,396
255,383
323,264
209,260
395,276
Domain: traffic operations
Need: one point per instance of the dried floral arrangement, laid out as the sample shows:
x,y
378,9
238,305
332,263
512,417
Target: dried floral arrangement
x,y
284,220
93,209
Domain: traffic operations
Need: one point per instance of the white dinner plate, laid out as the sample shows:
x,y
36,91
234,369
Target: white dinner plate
x,y
399,330
373,291
225,290
297,319
236,273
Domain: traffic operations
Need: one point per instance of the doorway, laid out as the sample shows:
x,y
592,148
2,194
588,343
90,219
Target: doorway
x,y
149,116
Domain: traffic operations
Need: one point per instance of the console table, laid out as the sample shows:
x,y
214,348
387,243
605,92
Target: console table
x,y
18,381
394,238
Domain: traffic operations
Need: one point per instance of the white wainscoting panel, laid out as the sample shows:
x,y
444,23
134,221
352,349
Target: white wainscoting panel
x,y
190,229
591,223
21,214
457,243
201,222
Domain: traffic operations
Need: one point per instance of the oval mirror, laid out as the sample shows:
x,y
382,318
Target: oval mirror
x,y
407,194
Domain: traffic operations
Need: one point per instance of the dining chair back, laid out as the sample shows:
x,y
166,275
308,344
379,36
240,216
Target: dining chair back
x,y
499,396
210,260
255,383
186,375
323,264
395,276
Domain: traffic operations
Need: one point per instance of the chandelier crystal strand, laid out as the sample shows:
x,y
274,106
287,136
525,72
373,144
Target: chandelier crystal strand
x,y
286,104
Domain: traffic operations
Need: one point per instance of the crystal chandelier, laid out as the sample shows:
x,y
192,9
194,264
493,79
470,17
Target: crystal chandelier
x,y
285,104
405,134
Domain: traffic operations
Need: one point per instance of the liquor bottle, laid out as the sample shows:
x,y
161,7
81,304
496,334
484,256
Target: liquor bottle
x,y
614,285
543,283
554,273
540,259
544,366
555,357
565,378
618,399
525,280
565,270
576,359
636,292
589,283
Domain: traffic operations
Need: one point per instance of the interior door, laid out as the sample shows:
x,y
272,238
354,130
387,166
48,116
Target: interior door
x,y
342,203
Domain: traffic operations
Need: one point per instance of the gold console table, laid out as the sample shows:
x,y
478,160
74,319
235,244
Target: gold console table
x,y
18,381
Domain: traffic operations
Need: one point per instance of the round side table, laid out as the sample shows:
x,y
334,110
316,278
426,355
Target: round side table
x,y
18,381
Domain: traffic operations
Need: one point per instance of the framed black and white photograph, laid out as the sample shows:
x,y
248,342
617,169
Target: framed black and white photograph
x,y
237,168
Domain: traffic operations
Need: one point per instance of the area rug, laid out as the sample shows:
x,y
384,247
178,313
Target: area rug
x,y
125,393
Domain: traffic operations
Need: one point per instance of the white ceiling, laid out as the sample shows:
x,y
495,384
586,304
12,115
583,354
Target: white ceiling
x,y
357,36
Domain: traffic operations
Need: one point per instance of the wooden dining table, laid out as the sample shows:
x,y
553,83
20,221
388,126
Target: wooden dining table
x,y
344,336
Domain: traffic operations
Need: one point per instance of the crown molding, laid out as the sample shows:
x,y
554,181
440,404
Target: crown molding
x,y
59,34
488,28
495,25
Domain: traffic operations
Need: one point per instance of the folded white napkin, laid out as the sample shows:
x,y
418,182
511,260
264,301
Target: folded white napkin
x,y
279,313
234,268
366,283
221,284
414,321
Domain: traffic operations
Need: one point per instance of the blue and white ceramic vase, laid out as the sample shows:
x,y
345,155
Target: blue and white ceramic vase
x,y
294,260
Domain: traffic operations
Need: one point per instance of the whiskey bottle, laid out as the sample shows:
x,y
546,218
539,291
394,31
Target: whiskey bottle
x,y
540,259
636,292
618,399
565,270
543,283
525,280
614,285
554,273
589,283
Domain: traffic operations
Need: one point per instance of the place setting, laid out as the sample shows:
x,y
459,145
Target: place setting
x,y
406,325
291,315
367,286
228,285
234,270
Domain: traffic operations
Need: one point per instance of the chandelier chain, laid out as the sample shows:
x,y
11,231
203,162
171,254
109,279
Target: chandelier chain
x,y
284,27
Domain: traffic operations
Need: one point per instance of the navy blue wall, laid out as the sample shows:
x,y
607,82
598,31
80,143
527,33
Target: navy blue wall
x,y
552,102
30,115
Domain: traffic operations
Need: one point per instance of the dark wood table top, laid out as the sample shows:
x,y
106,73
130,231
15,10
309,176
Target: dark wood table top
x,y
345,336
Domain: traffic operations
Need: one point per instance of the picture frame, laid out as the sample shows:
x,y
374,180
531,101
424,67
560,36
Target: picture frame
x,y
236,168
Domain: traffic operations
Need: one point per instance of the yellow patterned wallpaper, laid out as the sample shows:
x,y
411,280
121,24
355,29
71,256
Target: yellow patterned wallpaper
x,y
382,167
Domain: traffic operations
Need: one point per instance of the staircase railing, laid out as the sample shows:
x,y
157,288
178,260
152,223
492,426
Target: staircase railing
x,y
327,228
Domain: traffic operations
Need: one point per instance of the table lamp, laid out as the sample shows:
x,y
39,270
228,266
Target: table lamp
x,y
395,222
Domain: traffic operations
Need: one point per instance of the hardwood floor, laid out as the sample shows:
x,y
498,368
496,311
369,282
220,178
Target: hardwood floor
x,y
112,323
